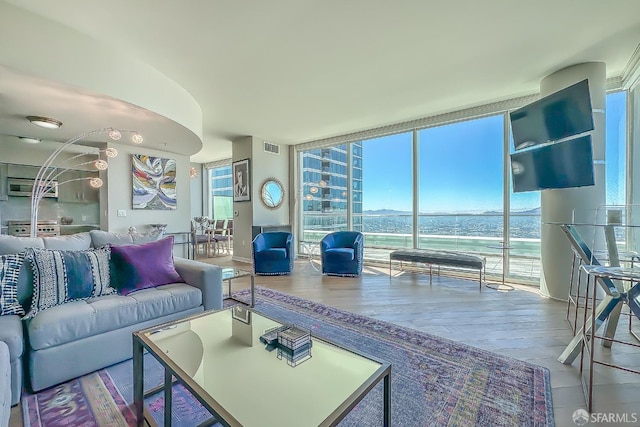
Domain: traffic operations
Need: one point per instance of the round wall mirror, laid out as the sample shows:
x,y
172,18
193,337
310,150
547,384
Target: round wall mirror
x,y
272,193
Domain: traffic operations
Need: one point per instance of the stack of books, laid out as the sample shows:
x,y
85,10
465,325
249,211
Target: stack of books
x,y
294,345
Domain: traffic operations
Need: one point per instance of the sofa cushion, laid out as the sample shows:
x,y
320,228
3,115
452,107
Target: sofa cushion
x,y
5,386
13,244
9,273
101,238
135,267
273,254
63,276
81,319
11,334
72,242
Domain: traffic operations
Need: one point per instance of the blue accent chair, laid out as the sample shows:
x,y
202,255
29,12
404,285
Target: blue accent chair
x,y
342,253
273,253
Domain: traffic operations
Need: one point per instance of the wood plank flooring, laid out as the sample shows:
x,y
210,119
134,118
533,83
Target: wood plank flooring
x,y
518,323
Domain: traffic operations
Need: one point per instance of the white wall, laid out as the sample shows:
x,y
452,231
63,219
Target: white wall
x,y
268,165
262,165
243,211
120,196
197,188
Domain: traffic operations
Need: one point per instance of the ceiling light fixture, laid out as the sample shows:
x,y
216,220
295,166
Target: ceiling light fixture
x,y
29,140
44,122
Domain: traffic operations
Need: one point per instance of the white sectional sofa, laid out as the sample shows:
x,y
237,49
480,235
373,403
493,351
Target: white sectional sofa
x,y
77,337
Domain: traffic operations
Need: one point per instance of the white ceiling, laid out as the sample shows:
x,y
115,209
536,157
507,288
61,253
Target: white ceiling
x,y
292,71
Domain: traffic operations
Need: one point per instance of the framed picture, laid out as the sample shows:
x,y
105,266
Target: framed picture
x,y
241,181
242,314
154,182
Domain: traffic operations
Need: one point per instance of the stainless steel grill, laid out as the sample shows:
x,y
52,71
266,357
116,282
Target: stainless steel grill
x,y
45,228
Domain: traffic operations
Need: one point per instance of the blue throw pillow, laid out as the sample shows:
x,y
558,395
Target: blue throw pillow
x,y
9,272
63,276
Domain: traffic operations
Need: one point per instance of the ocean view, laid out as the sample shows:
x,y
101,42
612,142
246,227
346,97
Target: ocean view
x,y
480,225
522,226
474,233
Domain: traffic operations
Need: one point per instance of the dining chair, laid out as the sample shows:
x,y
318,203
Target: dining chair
x,y
199,237
225,239
217,234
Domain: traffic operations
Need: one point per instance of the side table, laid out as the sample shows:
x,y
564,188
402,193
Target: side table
x,y
229,274
310,248
500,286
184,239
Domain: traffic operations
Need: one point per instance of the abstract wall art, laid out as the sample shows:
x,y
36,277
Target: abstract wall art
x,y
154,182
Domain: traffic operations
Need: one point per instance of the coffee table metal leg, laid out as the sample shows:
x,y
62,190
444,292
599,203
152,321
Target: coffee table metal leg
x,y
253,295
387,400
138,381
168,383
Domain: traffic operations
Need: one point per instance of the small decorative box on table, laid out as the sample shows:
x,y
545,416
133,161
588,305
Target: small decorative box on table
x,y
294,344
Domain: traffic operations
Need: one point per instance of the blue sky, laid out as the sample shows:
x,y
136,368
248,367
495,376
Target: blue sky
x,y
461,167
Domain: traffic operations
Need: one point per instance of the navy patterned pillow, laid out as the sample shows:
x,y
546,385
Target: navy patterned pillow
x,y
9,273
64,276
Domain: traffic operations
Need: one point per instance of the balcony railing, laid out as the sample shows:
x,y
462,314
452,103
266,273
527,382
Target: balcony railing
x,y
466,233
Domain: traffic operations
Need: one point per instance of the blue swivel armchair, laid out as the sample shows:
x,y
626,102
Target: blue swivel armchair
x,y
342,253
273,253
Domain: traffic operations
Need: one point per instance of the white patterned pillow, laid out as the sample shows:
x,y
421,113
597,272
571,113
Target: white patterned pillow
x,y
9,272
64,276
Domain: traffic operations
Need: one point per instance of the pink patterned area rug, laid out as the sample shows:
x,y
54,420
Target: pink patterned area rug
x,y
434,381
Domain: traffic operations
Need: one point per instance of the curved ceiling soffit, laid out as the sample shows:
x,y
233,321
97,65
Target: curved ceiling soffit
x,y
83,62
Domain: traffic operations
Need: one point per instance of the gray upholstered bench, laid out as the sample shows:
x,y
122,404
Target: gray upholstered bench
x,y
439,258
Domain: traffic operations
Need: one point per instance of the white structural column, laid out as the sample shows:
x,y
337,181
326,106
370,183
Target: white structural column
x,y
571,205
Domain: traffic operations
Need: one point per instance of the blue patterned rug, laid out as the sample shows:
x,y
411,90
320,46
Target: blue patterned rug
x,y
434,381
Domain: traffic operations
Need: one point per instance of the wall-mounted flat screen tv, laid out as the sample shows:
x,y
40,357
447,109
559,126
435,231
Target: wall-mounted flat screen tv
x,y
562,165
560,115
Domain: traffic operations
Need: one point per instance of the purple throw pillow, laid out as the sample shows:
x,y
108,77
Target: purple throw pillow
x,y
136,267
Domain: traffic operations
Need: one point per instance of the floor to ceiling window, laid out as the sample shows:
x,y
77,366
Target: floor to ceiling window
x,y
221,194
387,191
324,191
524,233
616,148
369,186
616,160
461,187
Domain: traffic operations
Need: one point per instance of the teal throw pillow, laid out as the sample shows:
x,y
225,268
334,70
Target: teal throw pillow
x,y
64,276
